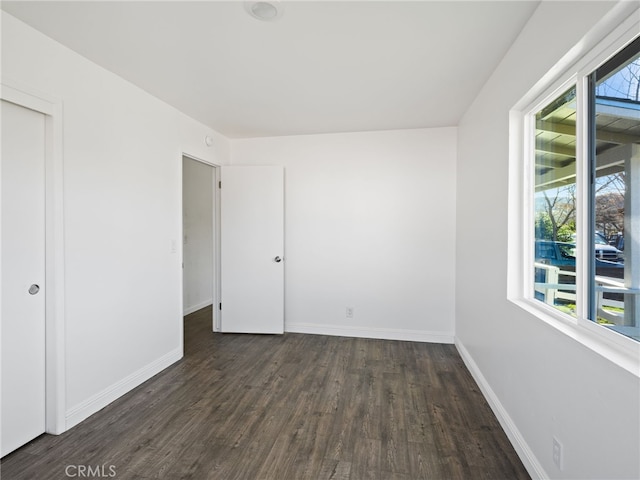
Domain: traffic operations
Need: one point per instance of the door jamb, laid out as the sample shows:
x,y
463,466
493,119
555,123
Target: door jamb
x,y
217,313
55,368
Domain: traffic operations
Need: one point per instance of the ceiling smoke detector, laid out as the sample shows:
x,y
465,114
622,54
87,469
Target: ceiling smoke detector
x,y
265,11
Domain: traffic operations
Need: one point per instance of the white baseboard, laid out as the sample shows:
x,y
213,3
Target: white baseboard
x,y
529,460
380,333
195,308
97,402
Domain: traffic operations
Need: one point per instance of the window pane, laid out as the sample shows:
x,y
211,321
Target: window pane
x,y
615,278
555,203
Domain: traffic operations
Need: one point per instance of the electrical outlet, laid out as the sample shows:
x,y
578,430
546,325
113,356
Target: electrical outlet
x,y
349,312
557,453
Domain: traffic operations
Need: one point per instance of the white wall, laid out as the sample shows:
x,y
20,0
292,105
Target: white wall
x,y
542,382
197,234
369,224
122,216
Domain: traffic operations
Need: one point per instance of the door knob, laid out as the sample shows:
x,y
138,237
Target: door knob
x,y
277,259
33,289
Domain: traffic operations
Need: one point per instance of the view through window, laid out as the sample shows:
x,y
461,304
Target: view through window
x,y
555,203
612,187
615,191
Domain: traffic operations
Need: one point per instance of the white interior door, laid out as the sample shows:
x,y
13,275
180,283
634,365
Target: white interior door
x,y
252,249
23,275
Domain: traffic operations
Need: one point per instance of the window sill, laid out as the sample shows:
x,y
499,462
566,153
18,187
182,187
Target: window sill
x,y
617,348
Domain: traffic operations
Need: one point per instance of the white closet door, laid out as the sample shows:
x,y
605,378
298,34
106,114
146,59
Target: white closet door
x,y
23,275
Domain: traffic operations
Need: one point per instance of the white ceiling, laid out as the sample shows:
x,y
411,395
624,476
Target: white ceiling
x,y
325,66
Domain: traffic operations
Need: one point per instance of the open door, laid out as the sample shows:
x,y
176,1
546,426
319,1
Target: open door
x,y
252,249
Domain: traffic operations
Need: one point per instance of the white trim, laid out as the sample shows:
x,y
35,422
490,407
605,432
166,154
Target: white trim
x,y
216,293
51,107
195,308
516,247
613,346
583,242
617,27
618,37
528,458
56,347
614,32
31,101
368,332
100,400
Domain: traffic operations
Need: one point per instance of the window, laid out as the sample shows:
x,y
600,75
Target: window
x,y
614,151
584,213
555,202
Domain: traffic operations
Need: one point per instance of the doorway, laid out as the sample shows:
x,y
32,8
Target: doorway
x,y
200,238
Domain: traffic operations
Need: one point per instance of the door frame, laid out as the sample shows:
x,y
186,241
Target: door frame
x,y
216,294
55,368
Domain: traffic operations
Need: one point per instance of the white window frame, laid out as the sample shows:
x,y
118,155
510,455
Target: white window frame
x,y
596,48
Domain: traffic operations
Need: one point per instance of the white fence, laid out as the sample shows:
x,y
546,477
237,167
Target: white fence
x,y
551,290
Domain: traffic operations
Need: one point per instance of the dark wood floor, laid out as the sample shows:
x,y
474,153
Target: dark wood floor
x,y
287,407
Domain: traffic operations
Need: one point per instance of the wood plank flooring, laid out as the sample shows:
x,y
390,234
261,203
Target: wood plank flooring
x,y
287,407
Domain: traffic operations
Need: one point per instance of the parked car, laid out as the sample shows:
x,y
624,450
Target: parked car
x,y
563,255
617,241
605,251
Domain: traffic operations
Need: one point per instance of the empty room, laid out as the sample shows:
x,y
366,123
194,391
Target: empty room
x,y
320,239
